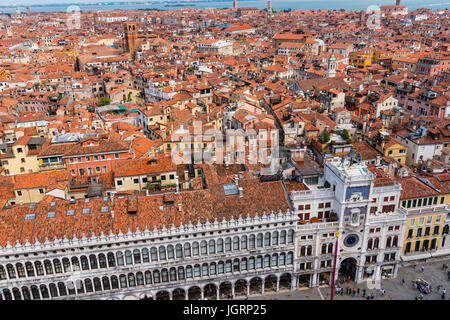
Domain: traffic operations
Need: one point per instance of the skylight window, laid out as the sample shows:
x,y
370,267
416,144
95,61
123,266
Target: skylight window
x,y
30,216
51,214
70,212
104,209
86,211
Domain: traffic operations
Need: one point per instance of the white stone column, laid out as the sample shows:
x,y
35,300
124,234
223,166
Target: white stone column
x,y
293,282
186,294
262,287
232,290
278,284
248,288
202,297
313,280
217,292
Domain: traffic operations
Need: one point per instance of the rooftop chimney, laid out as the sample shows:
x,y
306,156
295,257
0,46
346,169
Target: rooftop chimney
x,y
241,192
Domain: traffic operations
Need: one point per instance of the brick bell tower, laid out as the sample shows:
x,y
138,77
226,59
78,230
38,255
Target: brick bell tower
x,y
130,38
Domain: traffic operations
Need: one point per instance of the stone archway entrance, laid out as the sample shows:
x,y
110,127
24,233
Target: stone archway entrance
x,y
162,295
347,269
225,290
194,293
256,286
285,282
210,291
270,284
304,280
240,288
179,294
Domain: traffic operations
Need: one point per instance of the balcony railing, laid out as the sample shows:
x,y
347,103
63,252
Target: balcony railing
x,y
52,166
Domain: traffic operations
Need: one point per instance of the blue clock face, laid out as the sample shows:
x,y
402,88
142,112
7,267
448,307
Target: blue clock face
x,y
351,240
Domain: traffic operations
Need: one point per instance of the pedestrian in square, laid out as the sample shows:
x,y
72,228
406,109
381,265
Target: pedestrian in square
x,y
357,293
422,268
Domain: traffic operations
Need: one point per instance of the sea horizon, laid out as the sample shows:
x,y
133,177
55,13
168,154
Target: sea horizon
x,y
348,5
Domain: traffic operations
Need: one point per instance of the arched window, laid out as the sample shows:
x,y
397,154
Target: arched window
x,y
302,251
203,248
388,242
212,269
140,278
324,248
11,271
228,244
97,284
137,256
120,261
66,265
7,294
219,245
131,280
205,270
197,272
20,270
259,240
259,261
106,284
75,264
369,244
39,268
70,287
189,274
375,243
148,277
195,249
57,264
35,293
228,266
220,267
244,242
330,248
145,255
275,238
291,236
235,243
62,289
162,253
102,261
115,282
187,249
244,264
123,281
128,257
179,251
283,237
84,263
111,260
309,251
53,290
170,252
16,294
290,258
251,263
181,273
156,277
173,274
93,260
88,285
2,273
267,239
395,241
26,293
44,291
275,260
80,287
48,267
164,275
282,259
266,261
154,254
251,243
212,247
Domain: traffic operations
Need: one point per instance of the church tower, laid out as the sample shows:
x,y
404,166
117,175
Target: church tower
x,y
331,67
130,38
235,4
269,10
